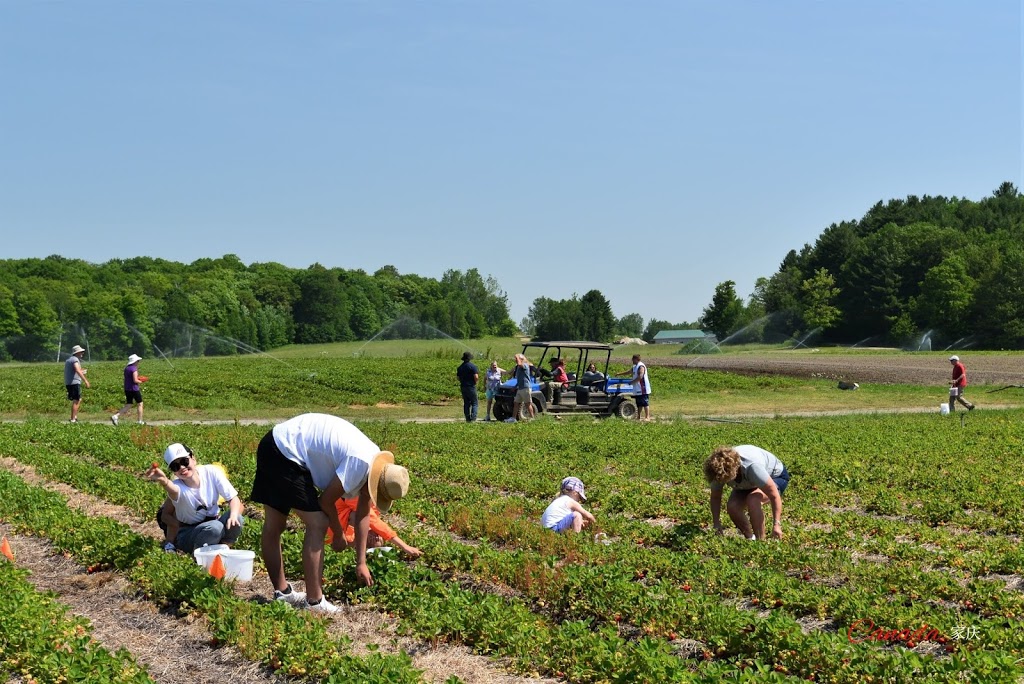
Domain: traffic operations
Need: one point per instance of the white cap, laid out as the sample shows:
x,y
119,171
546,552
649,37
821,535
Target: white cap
x,y
174,452
954,357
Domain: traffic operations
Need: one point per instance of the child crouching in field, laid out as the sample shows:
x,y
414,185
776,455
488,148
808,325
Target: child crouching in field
x,y
565,512
380,532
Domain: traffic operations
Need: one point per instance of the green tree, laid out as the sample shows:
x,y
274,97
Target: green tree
x,y
819,291
630,325
725,312
596,321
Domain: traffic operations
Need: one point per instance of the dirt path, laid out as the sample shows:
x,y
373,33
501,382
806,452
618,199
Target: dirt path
x,y
158,641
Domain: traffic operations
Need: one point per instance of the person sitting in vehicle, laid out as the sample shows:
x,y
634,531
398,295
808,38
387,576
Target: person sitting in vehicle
x,y
559,381
592,375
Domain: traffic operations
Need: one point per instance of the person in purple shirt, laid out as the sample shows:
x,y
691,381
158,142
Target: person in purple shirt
x,y
132,389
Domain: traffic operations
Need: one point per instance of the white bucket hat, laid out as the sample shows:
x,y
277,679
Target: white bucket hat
x,y
134,358
954,357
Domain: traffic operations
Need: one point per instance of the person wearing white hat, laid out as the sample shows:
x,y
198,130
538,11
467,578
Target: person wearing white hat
x,y
959,382
191,516
306,464
74,376
132,389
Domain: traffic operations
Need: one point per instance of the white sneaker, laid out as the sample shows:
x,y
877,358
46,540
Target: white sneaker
x,y
142,422
325,607
292,598
114,418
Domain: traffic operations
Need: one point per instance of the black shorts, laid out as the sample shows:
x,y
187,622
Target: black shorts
x,y
133,396
280,482
74,392
643,400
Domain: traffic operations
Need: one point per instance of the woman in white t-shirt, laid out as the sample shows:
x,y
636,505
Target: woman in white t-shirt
x,y
191,516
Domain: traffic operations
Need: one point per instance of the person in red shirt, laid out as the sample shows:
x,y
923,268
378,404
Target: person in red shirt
x,y
956,388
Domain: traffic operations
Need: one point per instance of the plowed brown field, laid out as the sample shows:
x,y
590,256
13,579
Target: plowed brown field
x,y
898,367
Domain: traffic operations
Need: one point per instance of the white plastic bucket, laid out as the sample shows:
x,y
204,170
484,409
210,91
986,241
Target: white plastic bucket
x,y
237,563
944,409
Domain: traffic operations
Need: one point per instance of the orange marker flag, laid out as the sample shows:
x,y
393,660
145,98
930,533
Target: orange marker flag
x,y
5,549
217,567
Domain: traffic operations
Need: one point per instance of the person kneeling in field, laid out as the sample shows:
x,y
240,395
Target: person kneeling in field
x,y
190,515
565,513
756,477
380,533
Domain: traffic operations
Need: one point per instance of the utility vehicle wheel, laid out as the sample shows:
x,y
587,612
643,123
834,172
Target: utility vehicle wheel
x,y
500,412
626,410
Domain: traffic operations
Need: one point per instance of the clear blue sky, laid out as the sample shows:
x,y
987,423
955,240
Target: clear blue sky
x,y
649,150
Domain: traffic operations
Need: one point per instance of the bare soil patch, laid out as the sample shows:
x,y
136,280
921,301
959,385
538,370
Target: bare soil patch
x,y
895,368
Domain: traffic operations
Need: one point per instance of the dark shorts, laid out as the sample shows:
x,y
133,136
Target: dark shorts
x,y
281,483
74,392
643,400
133,396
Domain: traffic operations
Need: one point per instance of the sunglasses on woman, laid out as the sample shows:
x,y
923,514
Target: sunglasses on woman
x,y
179,463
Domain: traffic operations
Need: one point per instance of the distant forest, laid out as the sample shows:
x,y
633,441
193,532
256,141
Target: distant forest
x,y
221,306
920,272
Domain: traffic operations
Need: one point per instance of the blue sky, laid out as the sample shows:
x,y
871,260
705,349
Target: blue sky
x,y
649,150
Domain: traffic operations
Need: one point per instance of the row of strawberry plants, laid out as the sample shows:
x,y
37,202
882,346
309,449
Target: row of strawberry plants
x,y
40,642
271,633
459,617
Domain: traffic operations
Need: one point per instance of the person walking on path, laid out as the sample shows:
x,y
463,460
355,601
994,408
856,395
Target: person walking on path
x,y
641,389
956,387
492,380
756,477
190,516
74,377
132,390
468,375
307,463
524,389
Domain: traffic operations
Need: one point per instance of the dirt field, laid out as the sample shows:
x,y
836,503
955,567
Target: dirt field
x,y
898,367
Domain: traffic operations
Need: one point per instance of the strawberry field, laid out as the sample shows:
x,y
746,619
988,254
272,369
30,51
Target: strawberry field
x,y
901,559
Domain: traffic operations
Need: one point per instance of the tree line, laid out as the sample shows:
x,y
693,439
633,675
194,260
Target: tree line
x,y
935,271
222,306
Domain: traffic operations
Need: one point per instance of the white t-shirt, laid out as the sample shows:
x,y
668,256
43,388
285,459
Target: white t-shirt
x,y
757,466
196,505
556,511
641,385
328,446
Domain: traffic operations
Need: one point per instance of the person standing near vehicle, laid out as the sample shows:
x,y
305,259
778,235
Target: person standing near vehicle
x,y
468,375
492,380
641,389
524,389
956,388
132,389
74,376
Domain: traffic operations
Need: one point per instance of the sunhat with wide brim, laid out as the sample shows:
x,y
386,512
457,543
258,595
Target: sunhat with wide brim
x,y
77,349
134,358
387,481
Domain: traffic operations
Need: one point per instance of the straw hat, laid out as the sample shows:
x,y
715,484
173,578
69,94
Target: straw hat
x,y
387,481
77,349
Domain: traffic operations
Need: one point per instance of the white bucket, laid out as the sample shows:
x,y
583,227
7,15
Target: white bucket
x,y
237,563
944,409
